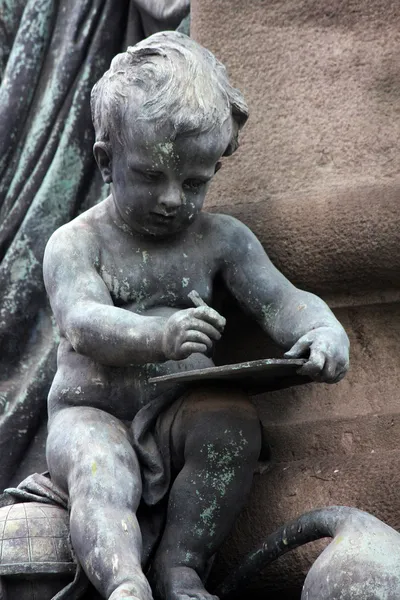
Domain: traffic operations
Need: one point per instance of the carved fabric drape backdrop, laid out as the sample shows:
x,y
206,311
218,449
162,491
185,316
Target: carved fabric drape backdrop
x,y
51,54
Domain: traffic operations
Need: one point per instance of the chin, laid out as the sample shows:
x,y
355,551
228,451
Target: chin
x,y
167,229
160,231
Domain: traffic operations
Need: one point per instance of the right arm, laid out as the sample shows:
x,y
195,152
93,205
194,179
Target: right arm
x,y
86,316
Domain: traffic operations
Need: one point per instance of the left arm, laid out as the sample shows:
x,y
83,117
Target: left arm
x,y
297,320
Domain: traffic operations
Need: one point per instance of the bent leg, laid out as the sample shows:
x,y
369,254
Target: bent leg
x,y
218,435
90,457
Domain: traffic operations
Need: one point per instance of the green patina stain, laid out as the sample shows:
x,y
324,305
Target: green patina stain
x,y
164,154
94,468
33,33
21,264
219,474
166,148
188,557
63,178
269,312
209,516
199,531
338,539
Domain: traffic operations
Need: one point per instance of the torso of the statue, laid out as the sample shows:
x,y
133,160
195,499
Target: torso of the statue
x,y
147,277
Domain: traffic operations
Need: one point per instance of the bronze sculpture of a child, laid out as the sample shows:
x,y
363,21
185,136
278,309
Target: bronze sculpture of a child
x,y
156,476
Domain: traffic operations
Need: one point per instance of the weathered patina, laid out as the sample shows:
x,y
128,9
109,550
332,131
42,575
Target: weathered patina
x,y
156,474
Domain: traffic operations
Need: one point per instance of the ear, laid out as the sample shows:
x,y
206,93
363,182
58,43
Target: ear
x,y
102,154
234,143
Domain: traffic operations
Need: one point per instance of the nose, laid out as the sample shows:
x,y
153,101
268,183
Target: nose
x,y
171,197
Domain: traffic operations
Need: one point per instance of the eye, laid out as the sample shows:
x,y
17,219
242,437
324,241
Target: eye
x,y
151,176
193,185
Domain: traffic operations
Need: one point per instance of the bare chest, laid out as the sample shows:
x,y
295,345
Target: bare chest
x,y
146,278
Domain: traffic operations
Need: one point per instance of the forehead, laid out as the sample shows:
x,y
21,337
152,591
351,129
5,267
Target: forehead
x,y
150,140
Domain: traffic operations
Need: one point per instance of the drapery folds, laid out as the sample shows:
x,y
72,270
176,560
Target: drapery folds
x,y
51,54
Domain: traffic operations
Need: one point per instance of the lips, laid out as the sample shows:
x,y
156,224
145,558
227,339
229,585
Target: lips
x,y
162,217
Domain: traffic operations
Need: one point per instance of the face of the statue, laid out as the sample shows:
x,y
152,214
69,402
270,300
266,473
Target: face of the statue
x,y
159,185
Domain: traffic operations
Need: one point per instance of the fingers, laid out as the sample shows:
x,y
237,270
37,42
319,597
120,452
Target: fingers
x,y
341,370
211,316
195,341
189,348
314,366
191,330
323,368
339,376
199,337
329,372
328,359
300,347
211,331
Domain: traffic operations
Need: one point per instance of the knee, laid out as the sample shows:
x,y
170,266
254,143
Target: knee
x,y
106,480
93,463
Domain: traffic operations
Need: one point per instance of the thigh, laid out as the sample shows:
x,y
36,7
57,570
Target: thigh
x,y
88,452
212,414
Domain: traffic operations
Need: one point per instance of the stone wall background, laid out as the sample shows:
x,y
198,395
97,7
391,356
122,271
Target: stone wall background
x,y
317,178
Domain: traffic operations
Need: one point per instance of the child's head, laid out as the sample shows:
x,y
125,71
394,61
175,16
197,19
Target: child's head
x,y
178,81
164,114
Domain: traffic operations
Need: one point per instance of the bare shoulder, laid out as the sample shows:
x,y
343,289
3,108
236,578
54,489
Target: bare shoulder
x,y
78,238
71,264
228,234
73,252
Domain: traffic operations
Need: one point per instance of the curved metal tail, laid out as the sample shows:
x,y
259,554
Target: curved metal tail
x,y
309,527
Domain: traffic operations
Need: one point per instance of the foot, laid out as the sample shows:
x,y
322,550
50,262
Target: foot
x,y
179,583
137,589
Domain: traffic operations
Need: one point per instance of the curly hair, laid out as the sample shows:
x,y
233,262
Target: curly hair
x,y
183,83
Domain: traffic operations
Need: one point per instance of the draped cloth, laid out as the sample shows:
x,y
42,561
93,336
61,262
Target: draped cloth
x,y
51,54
